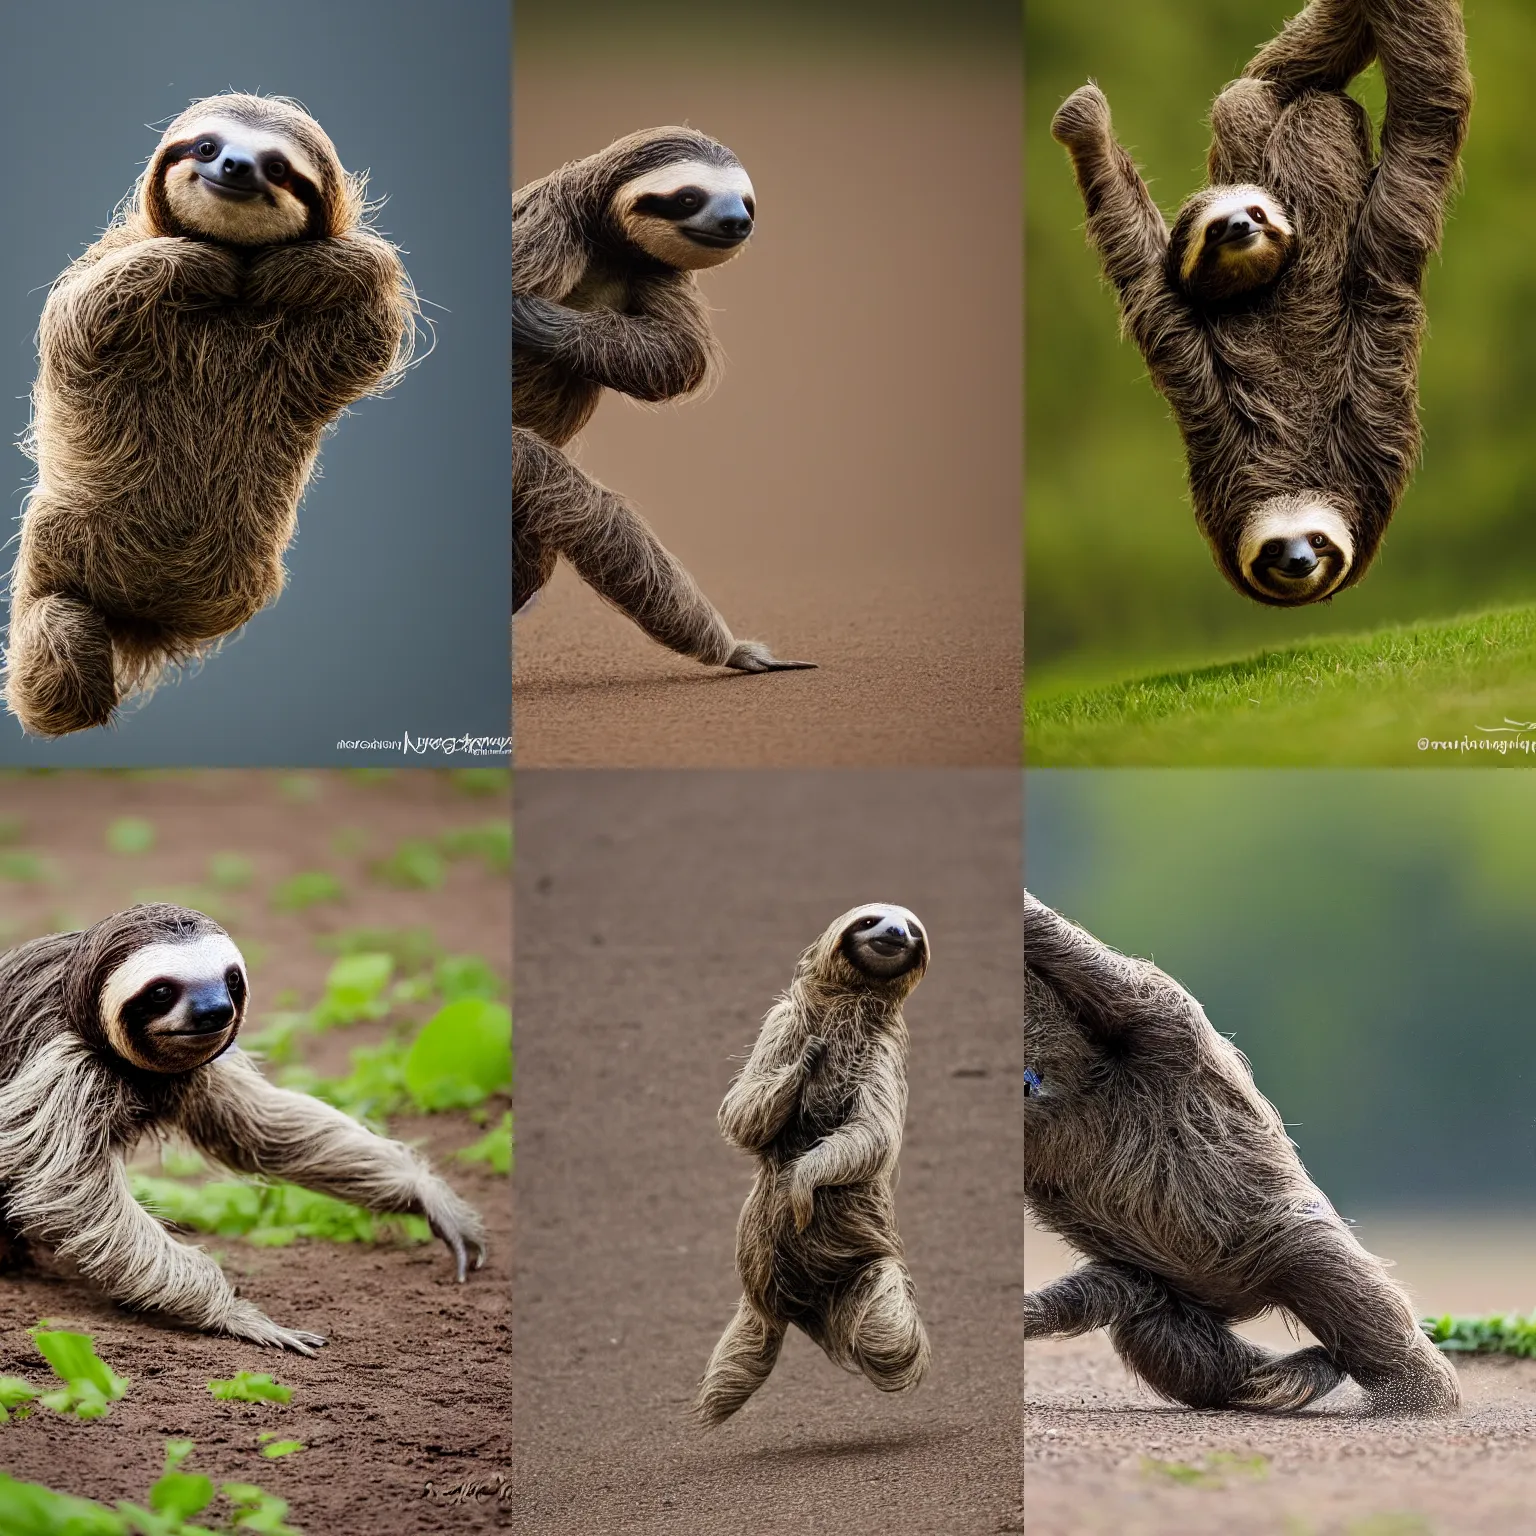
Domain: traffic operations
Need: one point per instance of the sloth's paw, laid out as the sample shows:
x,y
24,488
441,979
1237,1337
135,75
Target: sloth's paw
x,y
802,1200
249,1322
1082,118
754,656
457,1225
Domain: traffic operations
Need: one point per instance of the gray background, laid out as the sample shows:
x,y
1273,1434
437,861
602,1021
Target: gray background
x,y
396,612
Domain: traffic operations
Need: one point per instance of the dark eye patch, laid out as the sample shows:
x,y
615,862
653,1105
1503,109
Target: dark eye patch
x,y
676,206
150,1003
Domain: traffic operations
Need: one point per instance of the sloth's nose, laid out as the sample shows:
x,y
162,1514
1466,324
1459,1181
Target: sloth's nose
x,y
1295,558
210,1009
737,226
237,167
1238,227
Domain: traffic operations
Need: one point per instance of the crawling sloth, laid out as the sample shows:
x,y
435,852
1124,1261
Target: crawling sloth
x,y
126,1032
1148,1147
1281,315
820,1105
604,252
189,362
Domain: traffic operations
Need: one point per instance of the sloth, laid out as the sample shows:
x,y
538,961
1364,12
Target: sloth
x,y
604,253
1150,1150
125,1031
189,363
820,1105
1281,315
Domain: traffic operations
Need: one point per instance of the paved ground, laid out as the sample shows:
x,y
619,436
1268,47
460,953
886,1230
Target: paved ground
x,y
659,914
851,493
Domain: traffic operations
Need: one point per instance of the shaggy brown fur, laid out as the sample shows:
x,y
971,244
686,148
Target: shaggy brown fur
x,y
820,1105
186,375
1296,393
126,1031
604,297
1148,1147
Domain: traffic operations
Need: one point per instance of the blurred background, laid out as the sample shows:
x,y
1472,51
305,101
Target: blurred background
x,y
1120,581
395,615
850,492
1364,936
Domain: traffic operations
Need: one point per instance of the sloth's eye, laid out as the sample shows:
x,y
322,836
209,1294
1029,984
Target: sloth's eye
x,y
1319,541
1257,215
277,170
689,202
1272,547
865,922
205,149
750,206
161,993
236,984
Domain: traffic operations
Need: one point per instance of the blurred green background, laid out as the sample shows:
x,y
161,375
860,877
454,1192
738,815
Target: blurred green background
x,y
1119,580
1365,936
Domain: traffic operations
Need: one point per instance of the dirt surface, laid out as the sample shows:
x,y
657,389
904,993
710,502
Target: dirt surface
x,y
1104,1455
851,492
407,1405
659,914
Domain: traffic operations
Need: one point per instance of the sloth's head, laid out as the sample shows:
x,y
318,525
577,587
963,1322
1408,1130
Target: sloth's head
x,y
679,197
161,987
1230,243
248,170
879,947
1294,550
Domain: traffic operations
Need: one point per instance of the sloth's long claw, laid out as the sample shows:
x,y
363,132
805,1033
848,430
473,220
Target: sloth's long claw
x,y
754,656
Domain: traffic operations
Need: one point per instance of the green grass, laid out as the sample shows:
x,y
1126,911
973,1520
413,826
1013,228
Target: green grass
x,y
1352,700
1500,1334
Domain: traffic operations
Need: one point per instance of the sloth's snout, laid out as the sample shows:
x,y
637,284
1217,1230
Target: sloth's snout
x,y
891,940
1290,557
1238,227
209,1010
725,222
233,171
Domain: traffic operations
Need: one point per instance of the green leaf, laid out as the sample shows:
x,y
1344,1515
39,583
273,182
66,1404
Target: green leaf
x,y
16,1391
131,834
29,1509
494,1148
276,1448
300,892
354,990
250,1387
462,1055
180,1494
257,1510
415,865
230,871
91,1384
491,841
458,976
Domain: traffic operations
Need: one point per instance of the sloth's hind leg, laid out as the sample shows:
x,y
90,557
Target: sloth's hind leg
x,y
877,1330
1188,1353
740,1364
556,509
59,667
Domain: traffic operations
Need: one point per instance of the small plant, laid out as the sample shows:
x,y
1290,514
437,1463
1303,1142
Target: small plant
x,y
1500,1334
412,949
131,835
462,1055
458,976
415,865
494,1148
490,841
250,1387
230,871
309,889
355,990
273,1448
16,1397
90,1387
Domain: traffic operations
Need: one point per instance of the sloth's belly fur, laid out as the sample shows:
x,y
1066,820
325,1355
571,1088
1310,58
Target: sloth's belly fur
x,y
170,499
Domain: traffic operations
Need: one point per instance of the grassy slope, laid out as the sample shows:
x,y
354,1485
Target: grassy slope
x,y
1357,699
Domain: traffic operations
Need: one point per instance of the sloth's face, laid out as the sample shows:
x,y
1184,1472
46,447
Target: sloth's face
x,y
1294,550
171,1007
238,183
688,215
884,943
1235,242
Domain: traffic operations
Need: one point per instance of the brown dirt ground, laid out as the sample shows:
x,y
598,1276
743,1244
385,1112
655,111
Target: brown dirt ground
x,y
408,1402
659,916
851,492
1089,1429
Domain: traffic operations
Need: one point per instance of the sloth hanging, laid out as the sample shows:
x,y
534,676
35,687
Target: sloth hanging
x,y
188,363
1281,315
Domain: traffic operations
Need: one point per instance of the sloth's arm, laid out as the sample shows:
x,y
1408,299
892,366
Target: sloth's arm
x,y
1114,996
763,1093
1423,52
864,1146
237,1117
108,304
661,349
1130,234
1322,48
548,255
1094,1296
66,1188
359,268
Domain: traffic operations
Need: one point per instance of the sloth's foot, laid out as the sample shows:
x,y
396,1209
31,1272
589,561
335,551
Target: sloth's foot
x,y
754,656
456,1224
1288,1382
249,1322
1083,118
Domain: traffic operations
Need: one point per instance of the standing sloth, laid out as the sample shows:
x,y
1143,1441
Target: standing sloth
x,y
604,252
820,1105
125,1032
1281,315
189,362
1150,1150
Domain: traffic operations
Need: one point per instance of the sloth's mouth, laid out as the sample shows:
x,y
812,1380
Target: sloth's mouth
x,y
232,194
192,1031
714,242
888,949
